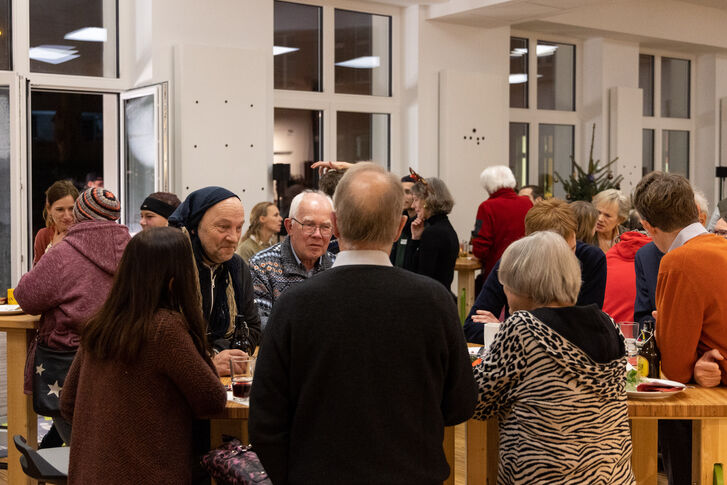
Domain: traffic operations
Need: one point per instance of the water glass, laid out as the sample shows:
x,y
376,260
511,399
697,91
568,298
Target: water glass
x,y
630,331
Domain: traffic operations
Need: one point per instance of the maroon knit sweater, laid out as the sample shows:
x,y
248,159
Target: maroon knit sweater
x,y
133,424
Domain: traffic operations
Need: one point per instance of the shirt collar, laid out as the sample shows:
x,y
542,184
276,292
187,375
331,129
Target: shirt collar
x,y
691,231
371,257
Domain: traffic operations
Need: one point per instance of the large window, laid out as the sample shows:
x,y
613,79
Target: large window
x,y
5,256
544,115
73,37
297,47
353,102
668,124
5,36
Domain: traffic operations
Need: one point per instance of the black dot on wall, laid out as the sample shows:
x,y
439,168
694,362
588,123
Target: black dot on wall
x,y
226,145
225,101
196,101
251,106
465,137
243,190
474,130
251,145
470,138
195,146
262,188
187,187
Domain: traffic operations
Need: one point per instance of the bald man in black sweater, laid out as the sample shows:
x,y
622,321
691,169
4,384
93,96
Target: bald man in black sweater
x,y
362,366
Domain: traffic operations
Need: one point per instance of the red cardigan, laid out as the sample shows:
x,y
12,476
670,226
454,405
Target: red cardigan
x,y
620,294
500,221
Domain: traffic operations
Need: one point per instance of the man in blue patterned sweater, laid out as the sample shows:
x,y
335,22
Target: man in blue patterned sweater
x,y
302,254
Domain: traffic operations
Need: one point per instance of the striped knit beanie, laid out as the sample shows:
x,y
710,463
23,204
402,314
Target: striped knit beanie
x,y
97,204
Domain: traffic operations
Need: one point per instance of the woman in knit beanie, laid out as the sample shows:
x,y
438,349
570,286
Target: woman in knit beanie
x,y
71,281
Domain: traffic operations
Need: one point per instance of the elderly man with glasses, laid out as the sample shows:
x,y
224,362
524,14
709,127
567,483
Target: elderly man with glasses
x,y
299,256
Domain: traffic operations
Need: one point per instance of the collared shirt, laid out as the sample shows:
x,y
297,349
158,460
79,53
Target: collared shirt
x,y
363,256
691,231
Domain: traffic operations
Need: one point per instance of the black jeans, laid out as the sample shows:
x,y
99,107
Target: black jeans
x,y
675,445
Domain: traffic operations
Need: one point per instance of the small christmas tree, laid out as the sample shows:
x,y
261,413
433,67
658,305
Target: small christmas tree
x,y
583,185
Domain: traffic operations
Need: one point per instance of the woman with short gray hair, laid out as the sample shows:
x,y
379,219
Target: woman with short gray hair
x,y
554,375
435,245
613,210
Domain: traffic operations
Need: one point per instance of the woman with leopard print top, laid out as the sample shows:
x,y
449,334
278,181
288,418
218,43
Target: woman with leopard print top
x,y
554,375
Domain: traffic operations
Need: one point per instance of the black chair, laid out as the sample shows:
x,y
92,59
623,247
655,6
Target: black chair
x,y
49,465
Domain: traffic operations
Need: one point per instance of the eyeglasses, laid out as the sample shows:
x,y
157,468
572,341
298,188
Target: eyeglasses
x,y
309,228
719,232
416,176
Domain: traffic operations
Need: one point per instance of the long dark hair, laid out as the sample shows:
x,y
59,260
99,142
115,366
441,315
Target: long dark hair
x,y
156,272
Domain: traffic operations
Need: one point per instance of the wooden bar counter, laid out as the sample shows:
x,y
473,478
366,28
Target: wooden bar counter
x,y
22,419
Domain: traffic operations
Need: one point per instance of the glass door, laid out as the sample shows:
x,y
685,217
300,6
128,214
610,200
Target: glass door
x,y
144,149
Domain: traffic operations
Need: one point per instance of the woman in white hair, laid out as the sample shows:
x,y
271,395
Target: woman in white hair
x,y
613,210
554,375
500,219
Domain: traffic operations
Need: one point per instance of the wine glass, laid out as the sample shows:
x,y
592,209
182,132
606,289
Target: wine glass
x,y
630,332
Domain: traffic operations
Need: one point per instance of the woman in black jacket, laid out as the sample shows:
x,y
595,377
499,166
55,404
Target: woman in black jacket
x,y
435,245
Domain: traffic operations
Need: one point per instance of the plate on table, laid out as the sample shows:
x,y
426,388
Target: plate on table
x,y
10,310
679,387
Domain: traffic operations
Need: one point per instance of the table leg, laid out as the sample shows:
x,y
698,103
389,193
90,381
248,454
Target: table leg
x,y
709,442
448,446
466,282
644,440
22,419
476,436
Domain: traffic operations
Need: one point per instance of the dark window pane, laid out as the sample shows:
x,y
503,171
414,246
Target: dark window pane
x,y
675,87
518,72
646,82
519,152
647,151
67,144
297,142
556,76
555,148
5,261
5,38
363,53
73,37
363,136
297,47
675,152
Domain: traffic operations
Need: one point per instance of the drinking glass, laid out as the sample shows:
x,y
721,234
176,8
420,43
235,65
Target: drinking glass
x,y
242,370
630,331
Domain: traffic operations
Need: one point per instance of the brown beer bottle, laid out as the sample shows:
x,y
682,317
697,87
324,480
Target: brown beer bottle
x,y
649,361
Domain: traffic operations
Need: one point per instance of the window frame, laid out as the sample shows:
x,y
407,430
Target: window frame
x,y
659,123
330,102
534,116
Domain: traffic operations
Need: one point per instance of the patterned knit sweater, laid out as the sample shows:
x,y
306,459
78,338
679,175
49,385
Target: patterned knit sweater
x,y
563,416
274,270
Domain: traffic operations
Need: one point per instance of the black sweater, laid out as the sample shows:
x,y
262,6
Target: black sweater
x,y
435,253
360,369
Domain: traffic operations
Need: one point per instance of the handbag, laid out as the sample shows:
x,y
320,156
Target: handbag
x,y
49,373
235,464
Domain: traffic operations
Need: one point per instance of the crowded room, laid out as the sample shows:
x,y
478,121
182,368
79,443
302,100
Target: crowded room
x,y
459,242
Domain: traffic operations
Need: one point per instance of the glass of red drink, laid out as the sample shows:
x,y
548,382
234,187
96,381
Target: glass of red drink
x,y
242,370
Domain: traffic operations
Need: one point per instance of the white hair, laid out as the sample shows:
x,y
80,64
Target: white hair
x,y
497,177
295,203
543,268
701,201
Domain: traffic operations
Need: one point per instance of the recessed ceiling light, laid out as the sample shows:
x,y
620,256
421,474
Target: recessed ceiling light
x,y
365,62
277,50
88,34
53,54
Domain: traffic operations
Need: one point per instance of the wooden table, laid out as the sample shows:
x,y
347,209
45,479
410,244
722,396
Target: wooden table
x,y
22,419
466,268
707,408
232,422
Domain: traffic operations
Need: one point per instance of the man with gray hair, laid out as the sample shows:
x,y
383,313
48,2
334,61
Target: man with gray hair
x,y
357,387
302,254
500,219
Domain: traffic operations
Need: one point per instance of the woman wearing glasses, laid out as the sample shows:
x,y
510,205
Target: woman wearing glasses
x,y
435,245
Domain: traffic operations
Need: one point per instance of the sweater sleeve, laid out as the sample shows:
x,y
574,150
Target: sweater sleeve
x,y
194,377
460,392
482,236
642,304
593,269
491,298
677,326
270,405
499,372
262,291
40,289
70,386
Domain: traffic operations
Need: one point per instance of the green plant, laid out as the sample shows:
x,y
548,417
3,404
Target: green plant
x,y
582,184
